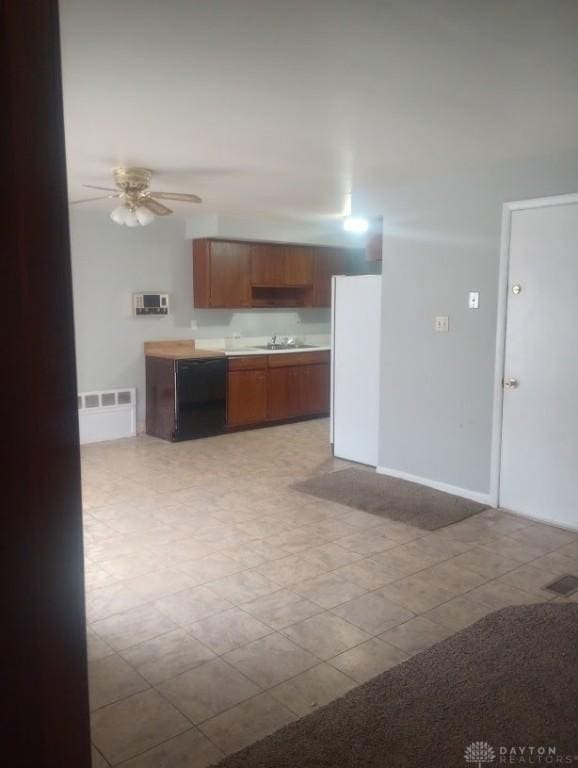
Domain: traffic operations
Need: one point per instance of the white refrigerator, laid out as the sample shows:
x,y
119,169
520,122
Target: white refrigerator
x,y
355,334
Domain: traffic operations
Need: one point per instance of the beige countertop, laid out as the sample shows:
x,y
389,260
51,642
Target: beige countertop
x,y
178,350
186,350
194,354
256,351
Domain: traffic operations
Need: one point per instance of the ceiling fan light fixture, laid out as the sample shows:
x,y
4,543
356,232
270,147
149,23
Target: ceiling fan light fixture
x,y
144,216
130,218
119,214
139,205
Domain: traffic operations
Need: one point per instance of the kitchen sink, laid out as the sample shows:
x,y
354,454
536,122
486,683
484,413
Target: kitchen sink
x,y
285,346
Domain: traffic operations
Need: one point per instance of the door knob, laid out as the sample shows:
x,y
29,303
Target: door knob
x,y
510,383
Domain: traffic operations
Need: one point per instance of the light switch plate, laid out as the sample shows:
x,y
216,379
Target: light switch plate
x,y
442,324
474,300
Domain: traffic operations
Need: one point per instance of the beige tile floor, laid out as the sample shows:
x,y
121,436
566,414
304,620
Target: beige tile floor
x,y
222,605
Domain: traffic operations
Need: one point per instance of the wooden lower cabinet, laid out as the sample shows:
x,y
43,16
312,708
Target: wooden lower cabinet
x,y
160,397
315,389
278,390
298,391
246,397
284,393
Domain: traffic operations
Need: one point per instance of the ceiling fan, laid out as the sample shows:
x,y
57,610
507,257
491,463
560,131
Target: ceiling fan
x,y
139,205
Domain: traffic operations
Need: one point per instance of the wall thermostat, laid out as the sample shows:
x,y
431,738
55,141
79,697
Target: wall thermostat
x,y
150,304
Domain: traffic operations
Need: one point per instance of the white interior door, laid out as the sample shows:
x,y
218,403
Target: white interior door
x,y
356,321
539,459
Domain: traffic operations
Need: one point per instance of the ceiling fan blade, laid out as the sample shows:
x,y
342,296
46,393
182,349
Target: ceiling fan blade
x,y
182,196
105,189
155,207
89,199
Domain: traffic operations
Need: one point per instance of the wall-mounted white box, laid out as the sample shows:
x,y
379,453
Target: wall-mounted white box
x,y
150,304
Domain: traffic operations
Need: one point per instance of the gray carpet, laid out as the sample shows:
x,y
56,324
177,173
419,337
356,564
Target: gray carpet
x,y
510,680
390,497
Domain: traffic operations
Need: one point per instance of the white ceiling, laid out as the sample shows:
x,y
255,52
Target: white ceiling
x,y
282,107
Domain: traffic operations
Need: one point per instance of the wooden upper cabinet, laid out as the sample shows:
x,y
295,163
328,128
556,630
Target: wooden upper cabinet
x,y
230,265
267,265
236,274
281,266
221,274
323,273
299,265
333,261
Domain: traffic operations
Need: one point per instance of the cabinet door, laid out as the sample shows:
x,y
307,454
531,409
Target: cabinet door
x,y
246,397
267,265
315,389
230,272
281,265
299,268
160,397
329,262
284,393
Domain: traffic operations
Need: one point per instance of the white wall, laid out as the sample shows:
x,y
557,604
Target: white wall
x,y
321,231
111,262
442,241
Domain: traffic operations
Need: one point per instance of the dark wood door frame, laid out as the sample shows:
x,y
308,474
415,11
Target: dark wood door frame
x,y
44,721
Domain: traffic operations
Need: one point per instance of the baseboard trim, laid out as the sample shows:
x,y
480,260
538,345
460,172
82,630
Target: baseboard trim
x,y
454,490
542,520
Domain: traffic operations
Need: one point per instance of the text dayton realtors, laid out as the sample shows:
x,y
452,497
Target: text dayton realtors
x,y
529,755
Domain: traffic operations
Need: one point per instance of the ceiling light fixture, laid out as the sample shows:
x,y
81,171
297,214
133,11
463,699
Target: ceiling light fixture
x,y
139,205
118,214
355,224
132,216
144,216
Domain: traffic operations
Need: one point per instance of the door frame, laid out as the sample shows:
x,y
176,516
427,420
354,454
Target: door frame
x,y
46,718
502,318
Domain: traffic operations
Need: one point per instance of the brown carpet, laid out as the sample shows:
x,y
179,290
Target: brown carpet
x,y
510,680
390,497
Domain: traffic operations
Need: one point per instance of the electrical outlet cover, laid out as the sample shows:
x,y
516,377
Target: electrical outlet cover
x,y
442,323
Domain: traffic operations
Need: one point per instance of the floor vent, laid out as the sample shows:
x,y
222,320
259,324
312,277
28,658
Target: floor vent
x,y
106,415
564,586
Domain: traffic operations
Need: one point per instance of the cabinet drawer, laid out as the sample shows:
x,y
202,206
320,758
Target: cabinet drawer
x,y
248,363
290,359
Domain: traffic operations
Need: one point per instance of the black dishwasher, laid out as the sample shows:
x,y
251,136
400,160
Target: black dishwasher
x,y
201,397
